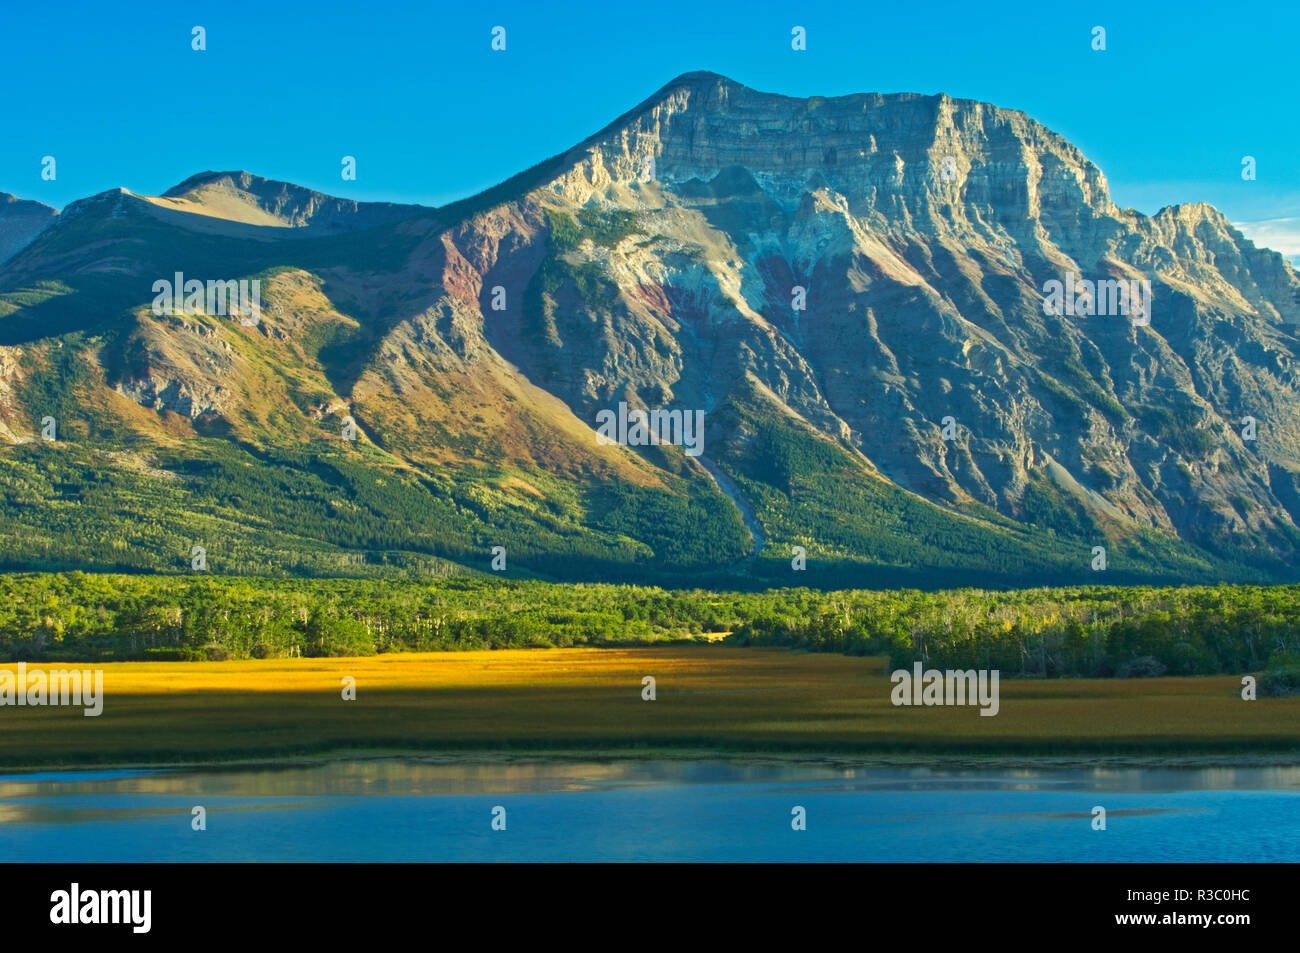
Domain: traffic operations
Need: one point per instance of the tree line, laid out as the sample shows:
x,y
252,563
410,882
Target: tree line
x,y
1088,631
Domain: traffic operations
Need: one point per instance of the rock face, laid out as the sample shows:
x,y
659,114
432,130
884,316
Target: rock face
x,y
870,269
20,222
922,232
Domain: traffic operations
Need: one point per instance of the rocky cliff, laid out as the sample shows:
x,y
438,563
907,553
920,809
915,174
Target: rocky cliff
x,y
854,288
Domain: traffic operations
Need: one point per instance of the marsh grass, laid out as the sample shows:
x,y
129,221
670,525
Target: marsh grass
x,y
712,698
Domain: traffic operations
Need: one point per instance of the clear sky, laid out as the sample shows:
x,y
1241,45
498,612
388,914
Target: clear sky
x,y
115,93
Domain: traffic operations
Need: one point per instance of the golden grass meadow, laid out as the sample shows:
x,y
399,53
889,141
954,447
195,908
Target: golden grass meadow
x,y
709,697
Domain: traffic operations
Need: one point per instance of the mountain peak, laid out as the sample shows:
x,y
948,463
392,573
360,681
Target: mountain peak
x,y
236,179
240,196
916,153
698,77
200,179
8,199
1191,212
853,288
21,220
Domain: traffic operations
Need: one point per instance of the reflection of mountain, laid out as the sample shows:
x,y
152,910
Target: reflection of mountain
x,y
656,263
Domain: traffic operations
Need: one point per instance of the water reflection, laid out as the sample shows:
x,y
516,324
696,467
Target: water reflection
x,y
426,776
429,808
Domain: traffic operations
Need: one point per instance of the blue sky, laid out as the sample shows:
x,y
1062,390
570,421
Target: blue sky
x,y
432,114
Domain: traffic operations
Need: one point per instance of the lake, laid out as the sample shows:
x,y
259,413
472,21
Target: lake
x,y
413,809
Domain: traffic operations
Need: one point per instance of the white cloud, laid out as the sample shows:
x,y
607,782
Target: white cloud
x,y
1280,234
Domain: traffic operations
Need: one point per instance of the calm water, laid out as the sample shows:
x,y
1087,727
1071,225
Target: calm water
x,y
417,810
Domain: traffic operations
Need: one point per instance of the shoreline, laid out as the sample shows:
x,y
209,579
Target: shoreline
x,y
956,762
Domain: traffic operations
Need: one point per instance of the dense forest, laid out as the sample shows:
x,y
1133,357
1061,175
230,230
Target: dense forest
x,y
337,513
1082,631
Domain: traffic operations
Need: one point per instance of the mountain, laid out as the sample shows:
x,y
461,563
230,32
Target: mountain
x,y
854,290
20,222
240,197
